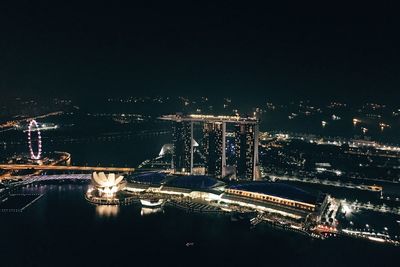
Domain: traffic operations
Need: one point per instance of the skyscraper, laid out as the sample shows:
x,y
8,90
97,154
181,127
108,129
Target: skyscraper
x,y
183,149
246,160
246,150
214,148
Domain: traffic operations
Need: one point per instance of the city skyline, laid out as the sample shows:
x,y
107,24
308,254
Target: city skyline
x,y
223,133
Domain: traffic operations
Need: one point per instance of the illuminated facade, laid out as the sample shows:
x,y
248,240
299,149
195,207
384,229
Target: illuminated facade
x,y
182,159
246,151
214,148
273,199
278,198
246,147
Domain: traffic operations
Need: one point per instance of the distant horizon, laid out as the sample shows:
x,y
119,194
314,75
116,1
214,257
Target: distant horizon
x,y
281,97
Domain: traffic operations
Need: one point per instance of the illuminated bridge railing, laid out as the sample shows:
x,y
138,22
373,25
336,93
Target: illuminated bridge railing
x,y
43,178
63,168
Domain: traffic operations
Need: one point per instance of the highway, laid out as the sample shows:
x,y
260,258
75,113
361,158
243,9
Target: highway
x,y
24,180
327,182
63,168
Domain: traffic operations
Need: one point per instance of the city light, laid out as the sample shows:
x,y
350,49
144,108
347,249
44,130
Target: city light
x,y
203,134
346,209
34,127
356,121
383,126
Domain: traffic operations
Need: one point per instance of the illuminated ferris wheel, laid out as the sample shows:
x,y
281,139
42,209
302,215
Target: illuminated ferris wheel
x,y
34,128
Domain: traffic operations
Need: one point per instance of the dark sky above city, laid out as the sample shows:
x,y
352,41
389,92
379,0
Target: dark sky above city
x,y
279,51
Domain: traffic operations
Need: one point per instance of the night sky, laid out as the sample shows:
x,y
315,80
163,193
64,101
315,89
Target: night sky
x,y
277,51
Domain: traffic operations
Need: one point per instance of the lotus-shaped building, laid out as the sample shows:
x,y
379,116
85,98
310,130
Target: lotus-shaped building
x,y
107,184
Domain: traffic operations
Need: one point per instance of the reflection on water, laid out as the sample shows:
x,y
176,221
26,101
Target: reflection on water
x,y
107,210
150,211
63,221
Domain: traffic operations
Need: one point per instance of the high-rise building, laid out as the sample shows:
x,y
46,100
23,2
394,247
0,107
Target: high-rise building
x,y
183,148
214,148
245,162
246,150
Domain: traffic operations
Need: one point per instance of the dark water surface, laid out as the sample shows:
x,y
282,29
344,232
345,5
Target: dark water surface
x,y
62,229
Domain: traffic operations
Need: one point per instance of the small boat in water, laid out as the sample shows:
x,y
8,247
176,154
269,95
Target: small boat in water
x,y
152,203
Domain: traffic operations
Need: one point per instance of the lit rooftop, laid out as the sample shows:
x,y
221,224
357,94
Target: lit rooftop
x,y
209,118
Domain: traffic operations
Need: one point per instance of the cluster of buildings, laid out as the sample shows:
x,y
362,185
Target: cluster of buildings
x,y
245,165
276,202
229,149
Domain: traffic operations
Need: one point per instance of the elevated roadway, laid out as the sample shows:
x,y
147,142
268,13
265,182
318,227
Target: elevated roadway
x,y
13,167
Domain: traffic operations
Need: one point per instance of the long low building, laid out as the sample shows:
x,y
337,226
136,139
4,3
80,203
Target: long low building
x,y
264,196
278,195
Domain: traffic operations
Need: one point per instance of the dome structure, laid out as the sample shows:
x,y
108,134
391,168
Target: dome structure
x,y
107,184
195,182
153,178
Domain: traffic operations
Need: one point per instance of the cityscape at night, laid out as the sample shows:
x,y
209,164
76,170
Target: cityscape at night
x,y
199,134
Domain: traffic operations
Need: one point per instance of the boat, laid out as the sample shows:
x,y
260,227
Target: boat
x,y
152,203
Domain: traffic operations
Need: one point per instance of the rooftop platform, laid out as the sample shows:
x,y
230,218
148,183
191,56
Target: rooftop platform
x,y
210,118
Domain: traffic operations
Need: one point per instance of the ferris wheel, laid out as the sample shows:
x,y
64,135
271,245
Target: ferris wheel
x,y
35,152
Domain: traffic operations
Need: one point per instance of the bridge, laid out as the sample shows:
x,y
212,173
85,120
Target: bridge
x,y
13,167
28,179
